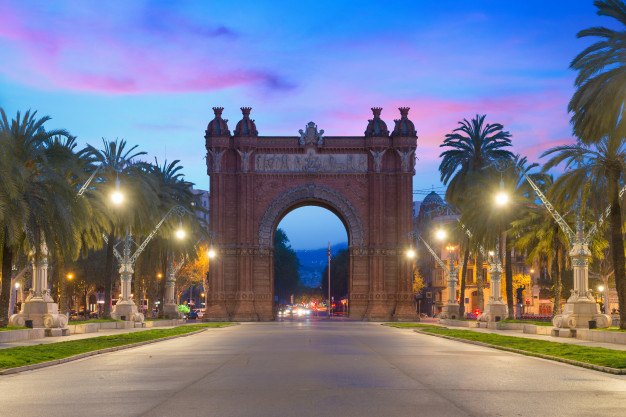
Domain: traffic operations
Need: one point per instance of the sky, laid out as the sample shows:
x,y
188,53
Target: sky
x,y
150,71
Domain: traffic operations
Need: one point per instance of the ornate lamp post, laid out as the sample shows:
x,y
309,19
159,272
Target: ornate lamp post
x,y
580,307
451,308
126,309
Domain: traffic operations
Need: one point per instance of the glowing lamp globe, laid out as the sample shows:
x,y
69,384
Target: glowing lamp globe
x,y
180,233
440,234
502,199
410,254
211,253
117,198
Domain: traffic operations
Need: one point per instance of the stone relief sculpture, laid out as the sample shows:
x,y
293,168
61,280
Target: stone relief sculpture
x,y
378,159
245,159
217,159
405,159
310,162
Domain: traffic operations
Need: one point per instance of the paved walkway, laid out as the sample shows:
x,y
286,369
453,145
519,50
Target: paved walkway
x,y
312,368
102,332
520,333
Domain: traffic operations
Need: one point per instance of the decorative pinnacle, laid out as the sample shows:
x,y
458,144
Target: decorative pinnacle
x,y
376,111
218,111
246,112
404,111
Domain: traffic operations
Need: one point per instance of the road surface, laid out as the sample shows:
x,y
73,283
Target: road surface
x,y
312,368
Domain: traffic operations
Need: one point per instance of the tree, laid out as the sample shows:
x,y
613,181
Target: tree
x,y
471,148
600,99
115,162
41,204
604,162
286,264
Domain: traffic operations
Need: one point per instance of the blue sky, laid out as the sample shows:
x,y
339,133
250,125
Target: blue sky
x,y
150,71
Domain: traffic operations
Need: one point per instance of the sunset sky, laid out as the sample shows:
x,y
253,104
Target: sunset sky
x,y
150,71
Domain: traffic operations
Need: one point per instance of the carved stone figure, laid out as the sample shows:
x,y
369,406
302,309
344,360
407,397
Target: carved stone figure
x,y
405,159
245,159
217,159
378,159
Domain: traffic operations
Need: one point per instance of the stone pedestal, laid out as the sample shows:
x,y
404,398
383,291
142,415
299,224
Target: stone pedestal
x,y
495,309
581,307
126,309
39,306
450,311
451,308
170,309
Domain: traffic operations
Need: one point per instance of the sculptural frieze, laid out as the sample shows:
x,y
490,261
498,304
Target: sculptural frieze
x,y
311,162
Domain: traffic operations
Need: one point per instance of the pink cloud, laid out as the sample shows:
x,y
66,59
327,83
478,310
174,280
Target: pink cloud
x,y
115,58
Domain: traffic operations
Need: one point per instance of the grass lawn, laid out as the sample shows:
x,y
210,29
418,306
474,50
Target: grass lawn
x,y
4,329
537,323
591,355
92,321
28,355
411,325
613,329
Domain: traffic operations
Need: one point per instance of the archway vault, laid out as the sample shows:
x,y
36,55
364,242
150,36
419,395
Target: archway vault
x,y
311,194
255,181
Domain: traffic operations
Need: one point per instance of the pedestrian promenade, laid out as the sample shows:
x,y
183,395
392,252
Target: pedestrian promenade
x,y
520,333
79,336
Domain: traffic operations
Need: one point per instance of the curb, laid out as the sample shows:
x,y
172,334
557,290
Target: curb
x,y
92,353
606,369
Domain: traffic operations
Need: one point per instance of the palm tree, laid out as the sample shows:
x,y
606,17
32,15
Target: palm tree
x,y
41,204
591,164
472,147
115,161
598,103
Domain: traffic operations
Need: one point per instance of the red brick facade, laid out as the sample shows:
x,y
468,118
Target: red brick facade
x,y
256,180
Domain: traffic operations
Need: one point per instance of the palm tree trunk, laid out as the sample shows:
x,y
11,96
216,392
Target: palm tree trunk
x,y
480,282
558,283
508,276
463,275
5,294
617,246
108,277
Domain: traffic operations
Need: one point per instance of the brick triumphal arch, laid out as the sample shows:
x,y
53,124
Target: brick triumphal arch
x,y
256,180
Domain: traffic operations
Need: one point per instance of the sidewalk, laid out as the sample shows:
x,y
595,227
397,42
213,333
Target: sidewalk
x,y
520,333
78,336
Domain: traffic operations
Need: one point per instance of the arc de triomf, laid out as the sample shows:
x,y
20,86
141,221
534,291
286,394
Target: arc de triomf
x,y
256,180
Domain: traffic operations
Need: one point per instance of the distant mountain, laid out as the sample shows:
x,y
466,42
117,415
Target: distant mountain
x,y
314,261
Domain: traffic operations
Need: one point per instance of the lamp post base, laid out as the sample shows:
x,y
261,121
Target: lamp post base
x,y
170,311
42,313
579,312
495,310
450,311
127,310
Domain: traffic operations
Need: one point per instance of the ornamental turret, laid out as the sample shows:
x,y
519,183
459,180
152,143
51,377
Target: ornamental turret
x,y
404,127
218,126
246,126
376,126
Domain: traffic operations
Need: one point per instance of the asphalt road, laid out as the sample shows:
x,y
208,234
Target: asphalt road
x,y
312,368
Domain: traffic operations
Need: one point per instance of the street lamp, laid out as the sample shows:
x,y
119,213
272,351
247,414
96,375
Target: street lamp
x,y
410,253
440,234
180,233
117,197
